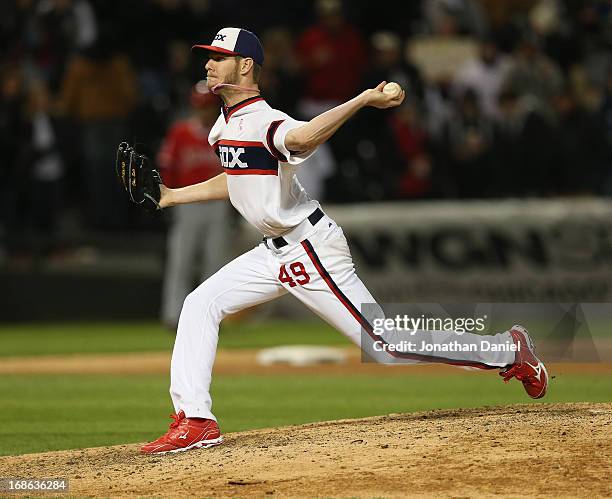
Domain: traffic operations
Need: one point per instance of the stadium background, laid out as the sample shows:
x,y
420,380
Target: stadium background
x,y
490,184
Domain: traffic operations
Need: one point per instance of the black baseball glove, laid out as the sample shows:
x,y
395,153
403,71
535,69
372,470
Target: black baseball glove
x,y
139,179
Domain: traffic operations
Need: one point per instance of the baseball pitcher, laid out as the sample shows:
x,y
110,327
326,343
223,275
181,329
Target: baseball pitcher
x,y
303,252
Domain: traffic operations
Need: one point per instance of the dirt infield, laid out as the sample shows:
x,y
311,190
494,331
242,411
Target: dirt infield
x,y
562,450
238,362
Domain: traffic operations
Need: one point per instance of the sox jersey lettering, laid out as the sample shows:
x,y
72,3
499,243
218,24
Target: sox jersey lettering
x,y
249,139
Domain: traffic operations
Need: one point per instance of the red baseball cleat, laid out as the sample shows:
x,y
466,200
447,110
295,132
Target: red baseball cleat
x,y
527,367
185,434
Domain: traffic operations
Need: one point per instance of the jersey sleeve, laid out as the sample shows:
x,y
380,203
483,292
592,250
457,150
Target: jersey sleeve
x,y
215,131
275,133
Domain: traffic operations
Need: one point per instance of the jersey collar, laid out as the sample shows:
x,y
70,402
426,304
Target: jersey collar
x,y
229,111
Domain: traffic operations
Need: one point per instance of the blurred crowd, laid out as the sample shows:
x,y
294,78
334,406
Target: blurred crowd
x,y
504,98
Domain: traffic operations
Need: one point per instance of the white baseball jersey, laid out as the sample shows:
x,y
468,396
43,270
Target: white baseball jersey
x,y
249,139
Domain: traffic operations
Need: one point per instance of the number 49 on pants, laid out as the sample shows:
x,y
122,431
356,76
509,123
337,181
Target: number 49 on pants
x,y
300,276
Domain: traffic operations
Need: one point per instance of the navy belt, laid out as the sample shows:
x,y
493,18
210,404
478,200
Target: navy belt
x,y
313,218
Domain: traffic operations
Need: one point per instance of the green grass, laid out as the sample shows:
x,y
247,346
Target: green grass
x,y
49,339
41,413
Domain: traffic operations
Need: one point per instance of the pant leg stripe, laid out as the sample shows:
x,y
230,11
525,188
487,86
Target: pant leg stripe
x,y
354,311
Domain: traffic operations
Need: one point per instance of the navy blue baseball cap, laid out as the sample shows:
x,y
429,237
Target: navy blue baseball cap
x,y
236,41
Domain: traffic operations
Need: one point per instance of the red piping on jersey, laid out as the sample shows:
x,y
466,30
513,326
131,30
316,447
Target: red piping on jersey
x,y
250,171
228,111
270,140
239,143
314,258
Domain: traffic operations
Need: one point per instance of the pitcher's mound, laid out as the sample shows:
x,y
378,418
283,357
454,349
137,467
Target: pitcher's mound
x,y
554,450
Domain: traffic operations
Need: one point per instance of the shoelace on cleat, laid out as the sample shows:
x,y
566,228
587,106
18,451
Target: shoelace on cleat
x,y
177,419
510,373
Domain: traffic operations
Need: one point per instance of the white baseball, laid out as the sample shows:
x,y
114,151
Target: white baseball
x,y
392,89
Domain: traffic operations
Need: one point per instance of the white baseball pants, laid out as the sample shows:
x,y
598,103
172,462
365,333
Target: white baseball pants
x,y
317,268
